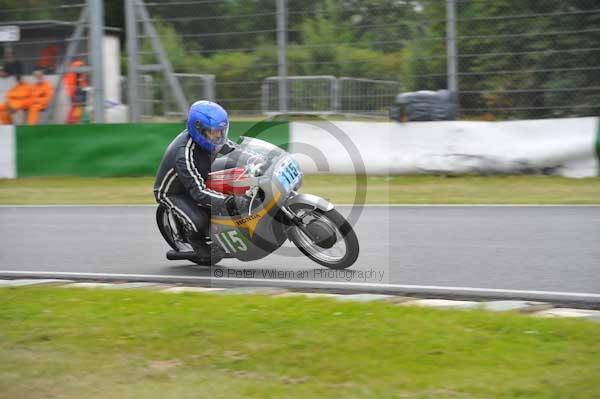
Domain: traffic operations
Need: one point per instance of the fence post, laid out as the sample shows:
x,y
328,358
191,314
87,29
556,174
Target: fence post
x,y
72,48
132,61
209,87
161,54
96,10
281,54
335,95
451,52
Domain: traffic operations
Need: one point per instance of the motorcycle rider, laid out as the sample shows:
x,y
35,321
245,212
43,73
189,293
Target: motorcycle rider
x,y
180,181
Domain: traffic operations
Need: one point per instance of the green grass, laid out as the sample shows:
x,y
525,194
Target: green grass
x,y
74,343
339,189
77,190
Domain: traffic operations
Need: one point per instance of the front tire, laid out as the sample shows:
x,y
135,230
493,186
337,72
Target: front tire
x,y
330,257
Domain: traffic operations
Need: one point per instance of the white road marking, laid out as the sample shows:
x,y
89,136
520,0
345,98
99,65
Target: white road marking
x,y
336,205
78,206
317,283
476,205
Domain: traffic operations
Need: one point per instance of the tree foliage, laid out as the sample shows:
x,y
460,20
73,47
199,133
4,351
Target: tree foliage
x,y
516,58
524,58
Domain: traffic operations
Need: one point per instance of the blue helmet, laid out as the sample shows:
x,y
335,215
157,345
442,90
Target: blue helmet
x,y
208,125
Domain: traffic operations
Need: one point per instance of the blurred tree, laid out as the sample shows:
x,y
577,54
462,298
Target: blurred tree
x,y
114,15
542,58
545,56
36,10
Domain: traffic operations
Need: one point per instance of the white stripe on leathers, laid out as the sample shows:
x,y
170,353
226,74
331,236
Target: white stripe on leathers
x,y
194,172
162,196
206,189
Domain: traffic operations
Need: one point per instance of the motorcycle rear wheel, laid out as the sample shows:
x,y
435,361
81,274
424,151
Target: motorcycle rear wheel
x,y
329,257
174,232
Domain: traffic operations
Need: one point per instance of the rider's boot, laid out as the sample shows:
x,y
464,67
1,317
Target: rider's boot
x,y
200,246
201,250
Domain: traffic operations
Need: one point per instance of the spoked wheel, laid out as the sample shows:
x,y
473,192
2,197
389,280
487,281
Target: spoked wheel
x,y
333,244
172,229
174,232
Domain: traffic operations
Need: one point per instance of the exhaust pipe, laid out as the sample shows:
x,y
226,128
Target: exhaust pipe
x,y
179,255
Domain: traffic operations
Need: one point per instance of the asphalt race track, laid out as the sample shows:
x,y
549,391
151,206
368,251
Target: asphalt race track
x,y
541,249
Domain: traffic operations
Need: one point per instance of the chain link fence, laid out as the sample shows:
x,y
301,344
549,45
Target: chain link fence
x,y
67,42
194,86
238,44
41,41
528,59
513,59
330,95
305,94
209,59
366,96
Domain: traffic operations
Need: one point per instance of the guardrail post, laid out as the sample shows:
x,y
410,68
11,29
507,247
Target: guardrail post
x,y
132,61
282,55
161,54
451,53
96,12
72,48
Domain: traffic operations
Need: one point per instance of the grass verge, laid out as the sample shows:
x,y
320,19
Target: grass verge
x,y
74,343
339,189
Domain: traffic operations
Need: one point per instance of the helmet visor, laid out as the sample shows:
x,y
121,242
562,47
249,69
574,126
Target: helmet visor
x,y
216,136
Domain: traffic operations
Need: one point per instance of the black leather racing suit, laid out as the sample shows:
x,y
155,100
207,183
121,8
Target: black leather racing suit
x,y
180,185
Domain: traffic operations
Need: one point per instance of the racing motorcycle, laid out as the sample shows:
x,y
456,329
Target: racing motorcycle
x,y
277,212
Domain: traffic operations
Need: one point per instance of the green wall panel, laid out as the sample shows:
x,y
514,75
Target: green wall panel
x,y
113,149
598,144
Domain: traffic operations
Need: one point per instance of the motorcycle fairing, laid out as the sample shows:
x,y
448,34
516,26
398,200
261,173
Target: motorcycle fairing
x,y
260,232
248,222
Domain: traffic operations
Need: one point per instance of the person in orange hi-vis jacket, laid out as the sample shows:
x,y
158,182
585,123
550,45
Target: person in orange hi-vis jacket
x,y
48,57
75,85
18,98
71,77
41,94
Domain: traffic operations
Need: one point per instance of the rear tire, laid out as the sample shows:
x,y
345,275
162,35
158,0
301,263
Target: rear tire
x,y
165,227
176,235
344,232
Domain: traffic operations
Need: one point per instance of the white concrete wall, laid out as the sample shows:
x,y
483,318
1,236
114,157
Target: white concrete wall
x,y
112,68
8,157
556,146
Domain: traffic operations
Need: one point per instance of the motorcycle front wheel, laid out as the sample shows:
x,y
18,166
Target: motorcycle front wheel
x,y
342,254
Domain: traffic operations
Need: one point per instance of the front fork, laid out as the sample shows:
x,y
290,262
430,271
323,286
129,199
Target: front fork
x,y
305,199
293,220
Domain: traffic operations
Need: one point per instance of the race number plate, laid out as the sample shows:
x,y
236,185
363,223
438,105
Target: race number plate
x,y
288,173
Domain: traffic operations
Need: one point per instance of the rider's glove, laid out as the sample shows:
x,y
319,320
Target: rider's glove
x,y
237,205
230,205
218,205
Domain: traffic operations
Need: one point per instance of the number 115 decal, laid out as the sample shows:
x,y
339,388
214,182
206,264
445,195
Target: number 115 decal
x,y
232,241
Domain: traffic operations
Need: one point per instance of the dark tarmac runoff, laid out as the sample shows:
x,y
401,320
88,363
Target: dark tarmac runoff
x,y
525,248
